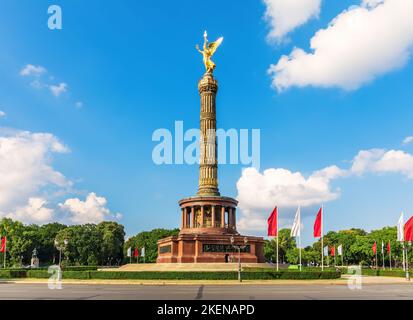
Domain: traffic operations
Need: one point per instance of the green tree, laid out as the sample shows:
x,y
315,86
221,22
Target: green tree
x,y
21,241
149,240
113,238
285,243
84,245
45,236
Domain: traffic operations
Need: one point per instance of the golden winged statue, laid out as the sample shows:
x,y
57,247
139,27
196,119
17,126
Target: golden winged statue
x,y
209,50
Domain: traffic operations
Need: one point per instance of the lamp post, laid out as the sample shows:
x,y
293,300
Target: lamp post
x,y
239,248
60,248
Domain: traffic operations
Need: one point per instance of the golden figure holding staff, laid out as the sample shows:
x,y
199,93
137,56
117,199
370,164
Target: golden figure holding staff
x,y
209,50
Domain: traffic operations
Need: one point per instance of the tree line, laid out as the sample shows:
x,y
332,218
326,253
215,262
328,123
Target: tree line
x,y
100,244
356,243
104,244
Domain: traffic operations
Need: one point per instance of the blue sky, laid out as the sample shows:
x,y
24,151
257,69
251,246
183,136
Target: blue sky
x,y
133,67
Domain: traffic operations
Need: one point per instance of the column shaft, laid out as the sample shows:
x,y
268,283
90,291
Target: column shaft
x,y
192,217
213,216
222,217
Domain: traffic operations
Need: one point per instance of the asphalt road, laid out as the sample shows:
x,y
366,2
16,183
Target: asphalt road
x,y
194,292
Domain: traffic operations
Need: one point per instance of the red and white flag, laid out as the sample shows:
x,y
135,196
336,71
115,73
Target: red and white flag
x,y
388,246
333,251
136,253
3,244
408,230
273,224
318,224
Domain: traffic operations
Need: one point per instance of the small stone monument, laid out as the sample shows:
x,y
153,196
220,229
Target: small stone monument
x,y
35,260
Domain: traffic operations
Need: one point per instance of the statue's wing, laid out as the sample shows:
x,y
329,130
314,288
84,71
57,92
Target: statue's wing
x,y
212,46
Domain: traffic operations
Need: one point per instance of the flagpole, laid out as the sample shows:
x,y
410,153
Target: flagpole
x,y
404,257
5,250
299,249
322,236
376,256
407,265
276,258
390,254
382,253
277,241
342,260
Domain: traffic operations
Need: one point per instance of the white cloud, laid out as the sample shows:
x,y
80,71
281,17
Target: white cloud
x,y
79,104
286,15
408,140
2,114
382,161
26,167
285,188
360,44
28,182
29,70
92,210
259,192
57,90
34,212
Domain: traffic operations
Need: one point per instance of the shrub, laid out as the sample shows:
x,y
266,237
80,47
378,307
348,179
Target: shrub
x,y
174,275
80,268
384,273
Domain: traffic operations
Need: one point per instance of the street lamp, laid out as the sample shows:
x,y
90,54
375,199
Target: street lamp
x,y
60,248
239,248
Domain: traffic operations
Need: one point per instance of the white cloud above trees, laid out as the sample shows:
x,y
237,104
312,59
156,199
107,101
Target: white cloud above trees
x,y
36,211
30,185
259,192
92,210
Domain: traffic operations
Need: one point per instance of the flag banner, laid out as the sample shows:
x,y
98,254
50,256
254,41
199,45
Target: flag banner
x,y
136,253
129,252
388,246
382,247
272,223
318,223
3,244
340,250
143,252
400,228
296,228
374,247
326,251
408,230
333,251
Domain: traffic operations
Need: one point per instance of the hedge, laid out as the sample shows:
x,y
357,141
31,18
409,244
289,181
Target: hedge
x,y
384,273
10,274
180,275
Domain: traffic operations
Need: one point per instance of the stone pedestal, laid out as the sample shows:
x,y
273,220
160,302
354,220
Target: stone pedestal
x,y
35,262
208,248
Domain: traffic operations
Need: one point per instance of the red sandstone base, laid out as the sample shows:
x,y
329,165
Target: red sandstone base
x,y
204,248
